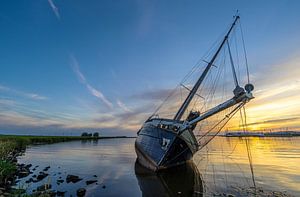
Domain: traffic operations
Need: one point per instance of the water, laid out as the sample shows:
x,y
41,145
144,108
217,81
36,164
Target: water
x,y
222,167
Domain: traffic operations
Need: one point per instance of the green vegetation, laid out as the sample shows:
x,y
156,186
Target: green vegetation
x,y
12,145
7,168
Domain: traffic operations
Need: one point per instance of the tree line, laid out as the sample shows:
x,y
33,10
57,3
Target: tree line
x,y
86,134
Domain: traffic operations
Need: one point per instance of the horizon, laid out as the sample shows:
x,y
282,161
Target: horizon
x,y
69,67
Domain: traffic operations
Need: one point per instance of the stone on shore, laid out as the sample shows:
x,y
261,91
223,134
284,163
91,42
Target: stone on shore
x,y
90,182
81,192
59,193
72,178
41,176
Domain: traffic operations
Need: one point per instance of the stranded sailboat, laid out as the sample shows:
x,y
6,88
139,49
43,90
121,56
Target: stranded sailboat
x,y
165,142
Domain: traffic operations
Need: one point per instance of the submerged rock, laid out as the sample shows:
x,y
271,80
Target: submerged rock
x,y
41,176
81,192
28,166
90,182
23,173
72,178
46,168
59,193
29,180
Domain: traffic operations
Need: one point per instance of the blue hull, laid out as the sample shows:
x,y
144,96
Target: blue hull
x,y
158,148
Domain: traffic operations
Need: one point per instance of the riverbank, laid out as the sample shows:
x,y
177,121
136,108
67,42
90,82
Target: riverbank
x,y
12,146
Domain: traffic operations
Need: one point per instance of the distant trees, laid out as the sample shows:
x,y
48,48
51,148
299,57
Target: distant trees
x,y
86,134
96,134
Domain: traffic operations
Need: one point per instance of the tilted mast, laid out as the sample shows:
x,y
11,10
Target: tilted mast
x,y
187,101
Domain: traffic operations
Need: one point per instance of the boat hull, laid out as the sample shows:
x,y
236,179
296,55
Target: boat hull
x,y
159,148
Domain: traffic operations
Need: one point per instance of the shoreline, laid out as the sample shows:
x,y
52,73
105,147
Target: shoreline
x,y
13,146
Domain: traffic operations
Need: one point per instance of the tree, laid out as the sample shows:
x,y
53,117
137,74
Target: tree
x,y
84,134
90,134
96,134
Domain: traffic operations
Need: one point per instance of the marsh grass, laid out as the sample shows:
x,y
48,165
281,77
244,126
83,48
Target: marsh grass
x,y
11,146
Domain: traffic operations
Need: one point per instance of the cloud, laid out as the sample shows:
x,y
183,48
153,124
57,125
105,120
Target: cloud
x,y
158,94
123,106
54,8
93,91
32,96
272,121
75,67
99,95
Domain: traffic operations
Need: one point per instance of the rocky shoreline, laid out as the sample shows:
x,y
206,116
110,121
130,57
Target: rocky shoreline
x,y
16,171
34,176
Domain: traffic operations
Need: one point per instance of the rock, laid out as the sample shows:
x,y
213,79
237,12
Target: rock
x,y
23,174
46,168
29,180
90,182
80,192
103,186
51,193
59,193
34,176
95,175
43,187
28,166
59,181
230,195
72,178
41,176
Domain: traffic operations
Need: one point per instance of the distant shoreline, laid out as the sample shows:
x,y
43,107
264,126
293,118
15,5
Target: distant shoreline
x,y
261,134
13,146
5,136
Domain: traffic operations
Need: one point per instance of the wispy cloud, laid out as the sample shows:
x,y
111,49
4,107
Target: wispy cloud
x,y
54,8
99,95
93,91
28,95
280,120
123,106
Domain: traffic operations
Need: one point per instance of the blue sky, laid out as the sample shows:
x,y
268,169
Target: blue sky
x,y
68,66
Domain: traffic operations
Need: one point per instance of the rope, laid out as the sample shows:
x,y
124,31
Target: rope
x,y
245,53
228,116
244,124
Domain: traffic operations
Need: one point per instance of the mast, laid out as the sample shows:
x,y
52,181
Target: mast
x,y
203,75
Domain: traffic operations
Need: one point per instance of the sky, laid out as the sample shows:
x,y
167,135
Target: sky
x,y
71,66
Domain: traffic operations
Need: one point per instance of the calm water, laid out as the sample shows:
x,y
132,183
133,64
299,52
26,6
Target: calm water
x,y
222,167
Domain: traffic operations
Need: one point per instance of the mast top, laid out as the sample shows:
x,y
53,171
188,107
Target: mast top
x,y
187,101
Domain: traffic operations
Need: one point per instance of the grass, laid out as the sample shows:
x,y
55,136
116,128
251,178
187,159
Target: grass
x,y
10,145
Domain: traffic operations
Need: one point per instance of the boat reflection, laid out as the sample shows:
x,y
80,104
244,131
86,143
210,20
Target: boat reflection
x,y
183,180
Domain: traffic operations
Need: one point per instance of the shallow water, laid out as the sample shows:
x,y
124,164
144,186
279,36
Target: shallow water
x,y
222,167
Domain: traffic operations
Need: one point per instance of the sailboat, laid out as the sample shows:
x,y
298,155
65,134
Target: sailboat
x,y
163,143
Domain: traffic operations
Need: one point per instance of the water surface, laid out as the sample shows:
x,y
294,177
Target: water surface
x,y
222,167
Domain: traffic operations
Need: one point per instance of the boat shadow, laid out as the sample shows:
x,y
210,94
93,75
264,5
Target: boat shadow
x,y
184,180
